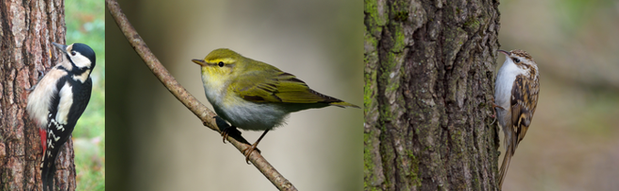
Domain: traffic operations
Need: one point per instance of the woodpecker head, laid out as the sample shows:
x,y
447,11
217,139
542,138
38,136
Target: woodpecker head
x,y
79,59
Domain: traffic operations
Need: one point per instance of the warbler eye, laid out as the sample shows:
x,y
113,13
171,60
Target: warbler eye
x,y
221,64
516,60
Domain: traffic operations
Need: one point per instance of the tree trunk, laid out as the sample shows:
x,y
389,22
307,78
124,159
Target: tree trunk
x,y
428,93
28,29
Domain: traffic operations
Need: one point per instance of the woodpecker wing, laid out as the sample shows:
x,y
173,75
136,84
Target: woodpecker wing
x,y
40,99
67,107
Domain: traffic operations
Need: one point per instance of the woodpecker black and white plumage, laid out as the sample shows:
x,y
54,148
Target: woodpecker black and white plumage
x,y
57,102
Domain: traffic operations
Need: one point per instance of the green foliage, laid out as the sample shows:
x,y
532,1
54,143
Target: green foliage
x,y
85,24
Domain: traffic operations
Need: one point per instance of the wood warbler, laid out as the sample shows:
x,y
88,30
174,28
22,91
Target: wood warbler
x,y
253,95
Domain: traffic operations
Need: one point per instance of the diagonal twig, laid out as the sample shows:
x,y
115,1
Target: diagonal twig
x,y
201,111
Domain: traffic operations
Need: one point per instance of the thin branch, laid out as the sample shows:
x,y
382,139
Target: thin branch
x,y
201,111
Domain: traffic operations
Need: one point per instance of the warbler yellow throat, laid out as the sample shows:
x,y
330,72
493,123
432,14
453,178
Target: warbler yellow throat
x,y
253,95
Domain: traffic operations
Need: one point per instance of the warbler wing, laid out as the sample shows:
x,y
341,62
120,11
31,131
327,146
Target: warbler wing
x,y
277,87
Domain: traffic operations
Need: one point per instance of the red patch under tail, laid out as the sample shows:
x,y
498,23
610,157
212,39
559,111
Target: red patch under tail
x,y
43,138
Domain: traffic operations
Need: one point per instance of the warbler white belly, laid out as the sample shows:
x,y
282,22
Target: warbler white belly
x,y
252,116
242,113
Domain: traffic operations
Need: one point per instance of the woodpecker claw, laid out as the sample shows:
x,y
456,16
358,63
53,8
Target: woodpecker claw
x,y
41,74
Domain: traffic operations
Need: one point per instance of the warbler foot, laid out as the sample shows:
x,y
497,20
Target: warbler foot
x,y
248,152
225,128
226,132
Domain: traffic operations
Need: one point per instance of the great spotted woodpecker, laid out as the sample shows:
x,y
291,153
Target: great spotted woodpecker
x,y
58,101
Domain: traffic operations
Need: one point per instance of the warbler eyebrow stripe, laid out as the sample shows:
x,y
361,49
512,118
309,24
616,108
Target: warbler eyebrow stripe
x,y
226,61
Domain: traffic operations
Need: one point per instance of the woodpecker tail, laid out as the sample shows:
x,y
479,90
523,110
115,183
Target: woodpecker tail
x,y
47,175
48,167
506,159
45,166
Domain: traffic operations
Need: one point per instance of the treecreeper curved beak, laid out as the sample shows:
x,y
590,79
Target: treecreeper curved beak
x,y
505,52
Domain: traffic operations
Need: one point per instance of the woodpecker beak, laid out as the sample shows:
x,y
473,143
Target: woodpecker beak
x,y
62,47
200,62
505,52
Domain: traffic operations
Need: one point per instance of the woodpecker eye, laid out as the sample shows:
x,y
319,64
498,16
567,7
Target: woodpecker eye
x,y
73,53
221,64
516,60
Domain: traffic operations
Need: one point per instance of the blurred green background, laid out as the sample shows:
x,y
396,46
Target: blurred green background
x,y
85,24
157,144
573,141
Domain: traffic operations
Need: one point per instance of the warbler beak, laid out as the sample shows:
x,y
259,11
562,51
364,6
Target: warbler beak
x,y
62,47
198,61
505,52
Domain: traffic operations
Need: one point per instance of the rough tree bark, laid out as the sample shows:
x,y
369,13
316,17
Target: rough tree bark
x,y
429,85
28,29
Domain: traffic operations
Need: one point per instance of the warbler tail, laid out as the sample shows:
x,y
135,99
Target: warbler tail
x,y
343,104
